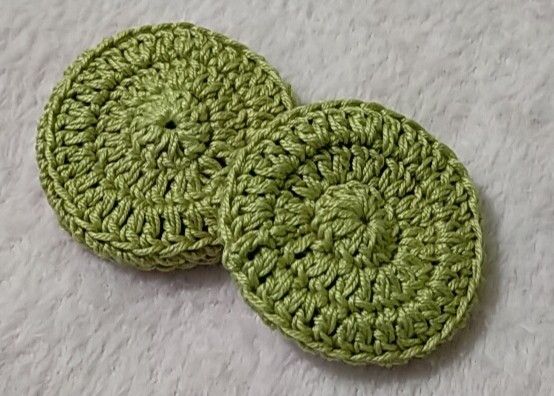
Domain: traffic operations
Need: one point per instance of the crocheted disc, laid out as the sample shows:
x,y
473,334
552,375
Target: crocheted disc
x,y
353,231
134,141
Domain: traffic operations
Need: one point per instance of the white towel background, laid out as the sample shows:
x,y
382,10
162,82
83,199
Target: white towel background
x,y
477,74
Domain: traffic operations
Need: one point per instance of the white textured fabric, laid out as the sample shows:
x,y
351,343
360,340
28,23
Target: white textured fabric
x,y
477,74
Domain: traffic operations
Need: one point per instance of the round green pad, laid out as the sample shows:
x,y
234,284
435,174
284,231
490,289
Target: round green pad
x,y
353,231
134,141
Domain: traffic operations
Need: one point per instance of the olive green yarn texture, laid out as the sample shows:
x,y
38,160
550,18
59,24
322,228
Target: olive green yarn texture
x,y
134,141
353,231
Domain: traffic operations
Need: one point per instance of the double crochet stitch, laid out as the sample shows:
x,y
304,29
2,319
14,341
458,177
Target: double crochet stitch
x,y
353,231
134,141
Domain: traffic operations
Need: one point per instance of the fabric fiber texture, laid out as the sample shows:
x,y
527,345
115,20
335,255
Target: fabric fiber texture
x,y
476,74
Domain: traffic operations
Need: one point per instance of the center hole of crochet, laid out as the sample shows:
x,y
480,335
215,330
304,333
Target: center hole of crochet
x,y
170,125
350,216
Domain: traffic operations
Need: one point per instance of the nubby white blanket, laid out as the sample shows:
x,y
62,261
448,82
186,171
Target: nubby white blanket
x,y
477,75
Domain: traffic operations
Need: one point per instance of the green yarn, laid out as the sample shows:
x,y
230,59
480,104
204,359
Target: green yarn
x,y
134,141
353,231
345,225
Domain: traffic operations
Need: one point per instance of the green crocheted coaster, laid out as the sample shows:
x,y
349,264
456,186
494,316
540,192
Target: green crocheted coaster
x,y
134,140
353,231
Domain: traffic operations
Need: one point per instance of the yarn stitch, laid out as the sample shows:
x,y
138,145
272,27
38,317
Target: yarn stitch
x,y
134,141
353,231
